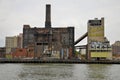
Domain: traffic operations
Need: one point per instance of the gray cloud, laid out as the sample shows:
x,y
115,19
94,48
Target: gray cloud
x,y
15,13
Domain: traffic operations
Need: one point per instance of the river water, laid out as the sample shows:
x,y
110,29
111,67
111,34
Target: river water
x,y
59,72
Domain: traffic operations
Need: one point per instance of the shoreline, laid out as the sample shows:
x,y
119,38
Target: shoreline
x,y
59,61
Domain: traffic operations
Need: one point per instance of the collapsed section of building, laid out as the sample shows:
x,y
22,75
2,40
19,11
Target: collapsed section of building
x,y
49,42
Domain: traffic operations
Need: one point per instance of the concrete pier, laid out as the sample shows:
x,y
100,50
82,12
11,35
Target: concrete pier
x,y
57,61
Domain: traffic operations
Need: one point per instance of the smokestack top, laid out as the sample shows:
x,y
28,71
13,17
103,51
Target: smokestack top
x,y
48,5
48,16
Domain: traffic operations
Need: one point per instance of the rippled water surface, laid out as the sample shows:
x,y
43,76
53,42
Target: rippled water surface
x,y
59,72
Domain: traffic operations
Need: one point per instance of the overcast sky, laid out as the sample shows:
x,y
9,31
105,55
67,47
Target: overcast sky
x,y
15,13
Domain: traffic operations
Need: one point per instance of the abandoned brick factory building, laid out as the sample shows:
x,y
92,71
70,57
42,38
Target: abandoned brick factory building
x,y
49,42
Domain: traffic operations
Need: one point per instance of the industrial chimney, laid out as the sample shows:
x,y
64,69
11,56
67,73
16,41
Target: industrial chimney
x,y
48,16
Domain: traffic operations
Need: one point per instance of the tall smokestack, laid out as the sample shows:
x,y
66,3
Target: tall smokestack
x,y
48,16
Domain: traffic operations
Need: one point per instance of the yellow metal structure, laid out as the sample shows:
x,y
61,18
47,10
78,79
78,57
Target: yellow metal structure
x,y
101,54
98,45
